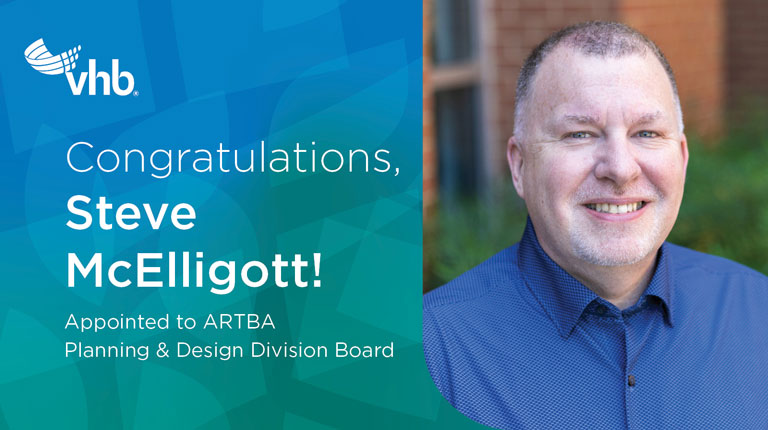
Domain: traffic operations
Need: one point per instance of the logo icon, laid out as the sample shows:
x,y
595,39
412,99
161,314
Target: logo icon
x,y
43,61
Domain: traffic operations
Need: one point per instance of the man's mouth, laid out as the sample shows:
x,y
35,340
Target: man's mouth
x,y
616,209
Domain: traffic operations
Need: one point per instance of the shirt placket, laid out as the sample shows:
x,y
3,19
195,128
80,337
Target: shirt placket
x,y
630,380
637,329
630,340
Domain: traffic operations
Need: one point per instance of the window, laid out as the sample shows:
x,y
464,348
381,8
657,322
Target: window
x,y
456,112
457,97
453,39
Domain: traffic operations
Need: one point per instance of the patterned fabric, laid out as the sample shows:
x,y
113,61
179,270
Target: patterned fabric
x,y
518,343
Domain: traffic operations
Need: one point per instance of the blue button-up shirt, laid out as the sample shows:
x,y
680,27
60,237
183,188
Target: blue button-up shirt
x,y
518,343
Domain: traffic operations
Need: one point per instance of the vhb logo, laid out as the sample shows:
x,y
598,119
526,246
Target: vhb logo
x,y
40,59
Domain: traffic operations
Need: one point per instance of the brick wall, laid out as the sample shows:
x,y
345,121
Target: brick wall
x,y
747,49
691,33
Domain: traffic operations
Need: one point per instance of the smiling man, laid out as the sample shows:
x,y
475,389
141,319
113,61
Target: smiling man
x,y
592,320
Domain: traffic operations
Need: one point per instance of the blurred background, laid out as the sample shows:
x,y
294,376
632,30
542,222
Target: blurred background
x,y
473,51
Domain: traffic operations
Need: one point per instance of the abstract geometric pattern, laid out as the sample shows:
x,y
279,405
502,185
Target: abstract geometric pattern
x,y
343,74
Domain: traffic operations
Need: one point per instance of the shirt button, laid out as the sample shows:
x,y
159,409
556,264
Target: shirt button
x,y
631,380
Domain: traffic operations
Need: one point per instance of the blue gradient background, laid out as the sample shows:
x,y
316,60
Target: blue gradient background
x,y
346,74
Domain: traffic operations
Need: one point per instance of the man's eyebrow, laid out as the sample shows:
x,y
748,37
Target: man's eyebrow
x,y
648,118
582,119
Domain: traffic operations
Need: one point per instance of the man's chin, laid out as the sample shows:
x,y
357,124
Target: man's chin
x,y
613,260
621,252
614,234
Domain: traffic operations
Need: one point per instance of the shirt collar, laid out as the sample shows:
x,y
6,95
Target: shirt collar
x,y
564,298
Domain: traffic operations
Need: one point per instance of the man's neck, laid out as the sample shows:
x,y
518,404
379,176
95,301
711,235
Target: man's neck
x,y
620,285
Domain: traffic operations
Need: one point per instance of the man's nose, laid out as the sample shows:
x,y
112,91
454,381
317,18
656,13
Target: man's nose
x,y
616,160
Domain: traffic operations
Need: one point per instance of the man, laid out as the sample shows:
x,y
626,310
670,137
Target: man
x,y
592,321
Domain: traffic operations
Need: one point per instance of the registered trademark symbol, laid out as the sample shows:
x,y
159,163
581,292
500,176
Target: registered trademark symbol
x,y
135,93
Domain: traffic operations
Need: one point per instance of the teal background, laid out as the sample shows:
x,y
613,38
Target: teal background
x,y
346,74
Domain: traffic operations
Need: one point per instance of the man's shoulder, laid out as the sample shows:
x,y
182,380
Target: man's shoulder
x,y
500,269
686,259
703,278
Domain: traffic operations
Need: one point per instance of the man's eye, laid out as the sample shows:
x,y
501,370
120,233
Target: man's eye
x,y
646,133
579,135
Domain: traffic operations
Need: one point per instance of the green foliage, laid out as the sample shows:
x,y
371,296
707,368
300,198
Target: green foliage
x,y
724,210
463,234
725,206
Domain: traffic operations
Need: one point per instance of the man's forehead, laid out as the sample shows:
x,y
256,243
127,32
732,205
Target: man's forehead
x,y
583,80
569,65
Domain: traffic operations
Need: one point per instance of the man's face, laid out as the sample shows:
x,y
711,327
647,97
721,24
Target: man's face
x,y
601,160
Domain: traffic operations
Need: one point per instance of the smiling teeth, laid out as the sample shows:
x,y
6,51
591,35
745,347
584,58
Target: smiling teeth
x,y
615,209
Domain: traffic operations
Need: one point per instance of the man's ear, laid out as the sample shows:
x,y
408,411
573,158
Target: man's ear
x,y
684,149
515,160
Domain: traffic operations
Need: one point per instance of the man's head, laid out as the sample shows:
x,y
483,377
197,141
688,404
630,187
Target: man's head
x,y
599,153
